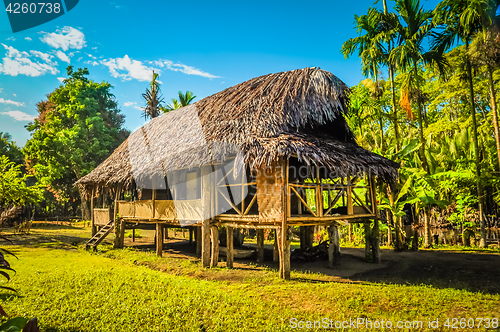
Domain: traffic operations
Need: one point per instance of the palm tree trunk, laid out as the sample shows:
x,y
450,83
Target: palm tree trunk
x,y
420,128
394,109
381,124
494,111
427,229
482,242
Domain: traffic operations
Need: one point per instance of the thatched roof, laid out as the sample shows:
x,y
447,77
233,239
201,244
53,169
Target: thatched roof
x,y
296,113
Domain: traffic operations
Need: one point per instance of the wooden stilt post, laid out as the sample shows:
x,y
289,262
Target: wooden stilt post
x,y
368,241
166,233
286,253
205,243
92,220
229,247
133,234
333,246
285,243
375,242
276,255
117,243
375,234
206,198
279,235
159,239
260,246
214,259
198,239
122,234
190,235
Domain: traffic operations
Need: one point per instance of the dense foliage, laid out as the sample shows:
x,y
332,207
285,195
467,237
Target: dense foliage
x,y
78,126
444,130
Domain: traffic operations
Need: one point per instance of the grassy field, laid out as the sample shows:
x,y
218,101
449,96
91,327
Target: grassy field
x,y
69,289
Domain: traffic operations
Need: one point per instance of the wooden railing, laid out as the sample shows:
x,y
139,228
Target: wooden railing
x,y
161,209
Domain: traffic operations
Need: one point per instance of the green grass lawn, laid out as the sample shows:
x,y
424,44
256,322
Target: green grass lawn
x,y
69,289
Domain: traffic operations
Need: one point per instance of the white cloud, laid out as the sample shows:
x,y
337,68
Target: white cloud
x,y
65,38
132,104
19,116
28,39
44,56
61,79
189,70
11,39
93,63
128,69
91,56
14,95
16,62
11,102
61,55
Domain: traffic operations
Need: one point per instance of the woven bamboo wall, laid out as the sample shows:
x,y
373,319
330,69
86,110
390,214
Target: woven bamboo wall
x,y
126,209
270,194
165,210
101,217
144,209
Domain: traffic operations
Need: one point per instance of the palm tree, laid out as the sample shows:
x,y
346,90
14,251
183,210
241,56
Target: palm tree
x,y
370,50
463,19
410,53
153,98
184,100
389,21
484,50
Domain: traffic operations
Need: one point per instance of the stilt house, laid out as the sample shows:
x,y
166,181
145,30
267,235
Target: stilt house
x,y
270,153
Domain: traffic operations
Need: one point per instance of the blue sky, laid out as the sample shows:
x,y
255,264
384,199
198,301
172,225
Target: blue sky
x,y
203,47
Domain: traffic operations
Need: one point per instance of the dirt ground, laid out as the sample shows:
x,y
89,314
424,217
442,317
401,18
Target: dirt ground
x,y
444,269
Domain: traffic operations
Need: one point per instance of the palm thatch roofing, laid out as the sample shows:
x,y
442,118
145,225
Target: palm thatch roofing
x,y
297,113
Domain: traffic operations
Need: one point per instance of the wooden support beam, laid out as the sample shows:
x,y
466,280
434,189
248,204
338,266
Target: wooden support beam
x,y
92,220
333,246
214,234
260,246
133,234
276,256
350,207
368,242
285,243
198,239
279,235
154,199
159,239
190,235
229,246
206,199
375,241
205,243
286,253
166,233
118,242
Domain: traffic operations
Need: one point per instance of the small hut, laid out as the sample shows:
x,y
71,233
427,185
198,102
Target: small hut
x,y
270,153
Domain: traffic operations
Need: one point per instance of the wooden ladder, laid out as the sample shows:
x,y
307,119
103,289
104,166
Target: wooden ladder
x,y
99,236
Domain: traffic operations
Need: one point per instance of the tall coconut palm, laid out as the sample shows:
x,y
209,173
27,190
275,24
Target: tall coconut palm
x,y
184,100
410,53
153,98
485,51
388,22
413,28
463,19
